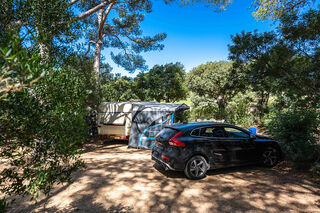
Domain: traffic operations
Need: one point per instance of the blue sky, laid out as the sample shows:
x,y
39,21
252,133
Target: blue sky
x,y
195,34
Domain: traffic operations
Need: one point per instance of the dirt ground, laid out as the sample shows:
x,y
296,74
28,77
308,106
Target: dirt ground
x,y
118,179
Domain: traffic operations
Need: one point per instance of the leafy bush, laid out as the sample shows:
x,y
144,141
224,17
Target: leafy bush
x,y
202,107
17,70
238,110
42,124
316,169
182,117
299,132
3,205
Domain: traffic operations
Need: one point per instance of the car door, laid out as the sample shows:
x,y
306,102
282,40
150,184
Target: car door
x,y
213,145
240,145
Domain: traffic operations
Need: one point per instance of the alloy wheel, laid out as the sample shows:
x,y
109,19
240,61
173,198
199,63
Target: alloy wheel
x,y
198,167
270,157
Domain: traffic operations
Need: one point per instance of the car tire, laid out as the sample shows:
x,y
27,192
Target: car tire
x,y
196,167
270,157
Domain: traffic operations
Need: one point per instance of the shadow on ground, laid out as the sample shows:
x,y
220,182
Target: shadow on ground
x,y
118,179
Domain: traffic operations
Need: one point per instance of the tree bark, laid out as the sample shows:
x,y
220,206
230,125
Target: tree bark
x,y
221,107
96,63
92,10
98,47
101,19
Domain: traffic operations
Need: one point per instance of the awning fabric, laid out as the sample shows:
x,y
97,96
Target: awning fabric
x,y
148,119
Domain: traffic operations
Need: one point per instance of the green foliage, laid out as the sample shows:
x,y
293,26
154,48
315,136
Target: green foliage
x,y
118,90
239,110
299,132
121,31
219,5
284,63
18,70
43,23
45,126
316,169
44,105
162,83
208,82
202,107
236,112
274,9
3,206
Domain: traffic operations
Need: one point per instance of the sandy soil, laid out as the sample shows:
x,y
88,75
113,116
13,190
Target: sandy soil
x,y
118,179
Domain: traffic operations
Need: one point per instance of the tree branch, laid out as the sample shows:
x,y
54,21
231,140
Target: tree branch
x,y
123,47
92,10
72,2
104,18
90,42
292,6
124,34
107,13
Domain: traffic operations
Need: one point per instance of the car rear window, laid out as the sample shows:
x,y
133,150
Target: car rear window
x,y
166,134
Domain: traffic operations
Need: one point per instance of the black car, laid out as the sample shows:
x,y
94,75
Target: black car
x,y
197,147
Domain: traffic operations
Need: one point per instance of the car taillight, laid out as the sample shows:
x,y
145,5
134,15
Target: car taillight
x,y
175,142
165,157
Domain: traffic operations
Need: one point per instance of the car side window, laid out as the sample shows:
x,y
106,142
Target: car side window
x,y
236,133
216,132
195,132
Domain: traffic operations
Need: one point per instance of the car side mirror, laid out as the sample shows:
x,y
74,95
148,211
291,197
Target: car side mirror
x,y
252,136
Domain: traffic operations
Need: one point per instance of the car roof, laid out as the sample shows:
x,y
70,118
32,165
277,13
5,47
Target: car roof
x,y
193,125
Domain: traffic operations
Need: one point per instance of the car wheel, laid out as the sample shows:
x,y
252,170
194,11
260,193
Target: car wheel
x,y
270,157
196,168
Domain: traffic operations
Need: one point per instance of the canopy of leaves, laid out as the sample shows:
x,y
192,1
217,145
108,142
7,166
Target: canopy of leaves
x,y
118,90
284,62
216,4
162,83
122,32
49,23
299,131
18,70
209,81
42,129
275,9
43,108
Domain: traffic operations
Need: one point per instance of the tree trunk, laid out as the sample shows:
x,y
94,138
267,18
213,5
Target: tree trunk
x,y
101,19
96,63
98,46
263,104
221,109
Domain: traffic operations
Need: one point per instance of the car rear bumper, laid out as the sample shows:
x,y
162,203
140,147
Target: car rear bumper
x,y
169,158
164,164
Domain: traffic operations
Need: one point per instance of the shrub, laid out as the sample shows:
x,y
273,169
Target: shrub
x,y
3,205
316,169
42,123
299,132
238,113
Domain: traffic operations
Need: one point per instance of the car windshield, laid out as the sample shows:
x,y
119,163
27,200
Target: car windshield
x,y
166,134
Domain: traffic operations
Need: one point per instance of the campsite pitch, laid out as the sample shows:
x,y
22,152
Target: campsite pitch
x,y
118,179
